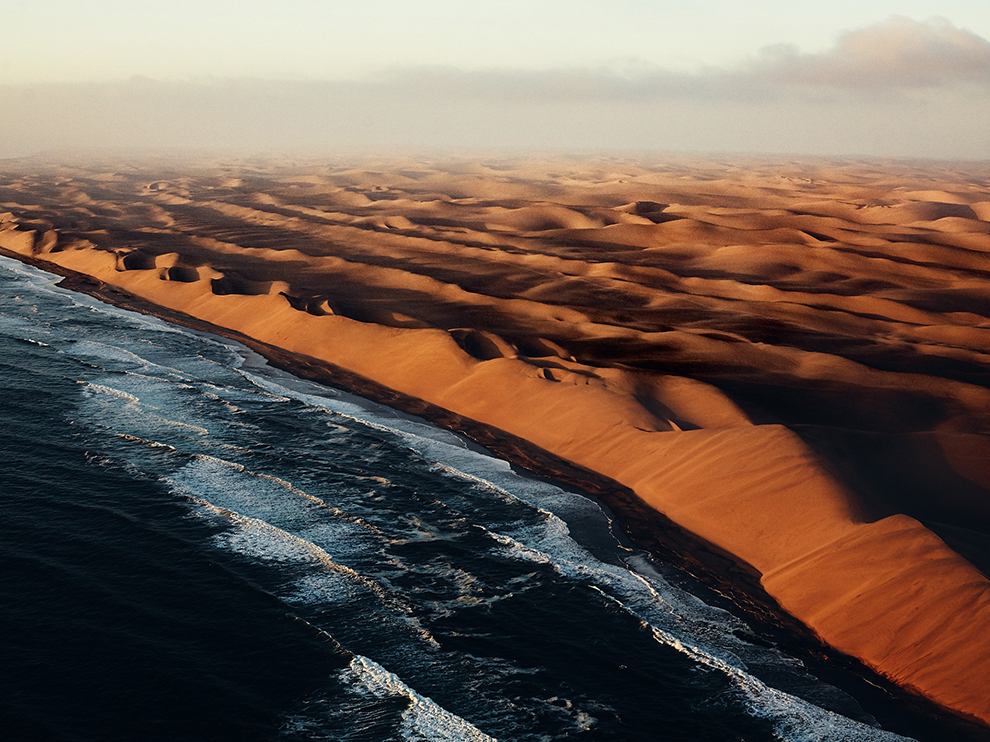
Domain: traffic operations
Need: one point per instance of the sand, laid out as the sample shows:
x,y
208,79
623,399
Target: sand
x,y
790,360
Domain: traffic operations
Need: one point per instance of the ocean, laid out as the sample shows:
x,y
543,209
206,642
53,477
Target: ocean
x,y
197,546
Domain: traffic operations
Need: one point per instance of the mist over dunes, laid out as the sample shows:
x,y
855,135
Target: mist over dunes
x,y
787,358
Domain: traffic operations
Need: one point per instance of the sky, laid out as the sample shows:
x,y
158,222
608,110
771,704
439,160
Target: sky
x,y
906,78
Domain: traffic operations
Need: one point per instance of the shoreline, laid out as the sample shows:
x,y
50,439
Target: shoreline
x,y
721,578
790,361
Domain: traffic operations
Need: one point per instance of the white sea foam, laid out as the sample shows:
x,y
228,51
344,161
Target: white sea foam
x,y
36,277
111,392
273,520
24,328
261,540
232,485
145,441
140,418
109,352
793,718
423,720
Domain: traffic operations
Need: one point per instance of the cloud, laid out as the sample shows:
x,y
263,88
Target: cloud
x,y
898,53
897,56
902,87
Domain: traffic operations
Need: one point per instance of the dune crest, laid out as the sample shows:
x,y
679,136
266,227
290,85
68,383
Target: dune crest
x,y
773,363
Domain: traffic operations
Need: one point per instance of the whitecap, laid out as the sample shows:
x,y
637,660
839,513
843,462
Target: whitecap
x,y
423,720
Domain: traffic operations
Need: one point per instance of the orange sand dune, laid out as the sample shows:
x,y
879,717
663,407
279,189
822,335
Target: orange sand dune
x,y
790,360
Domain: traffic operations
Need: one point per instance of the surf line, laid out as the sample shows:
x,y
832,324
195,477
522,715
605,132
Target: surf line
x,y
729,582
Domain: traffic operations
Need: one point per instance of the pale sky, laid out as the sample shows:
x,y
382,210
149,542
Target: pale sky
x,y
885,77
98,40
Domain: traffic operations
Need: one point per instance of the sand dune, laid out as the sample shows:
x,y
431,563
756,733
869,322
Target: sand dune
x,y
790,360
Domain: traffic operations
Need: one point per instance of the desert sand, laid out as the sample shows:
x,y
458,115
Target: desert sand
x,y
790,360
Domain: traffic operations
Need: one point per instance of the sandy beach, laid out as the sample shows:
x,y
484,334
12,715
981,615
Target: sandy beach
x,y
789,360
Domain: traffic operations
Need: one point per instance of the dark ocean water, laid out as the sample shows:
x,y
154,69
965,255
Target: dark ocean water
x,y
198,547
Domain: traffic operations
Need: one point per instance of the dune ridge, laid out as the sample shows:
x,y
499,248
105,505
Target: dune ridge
x,y
790,360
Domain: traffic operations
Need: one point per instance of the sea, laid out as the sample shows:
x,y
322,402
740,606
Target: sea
x,y
197,546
